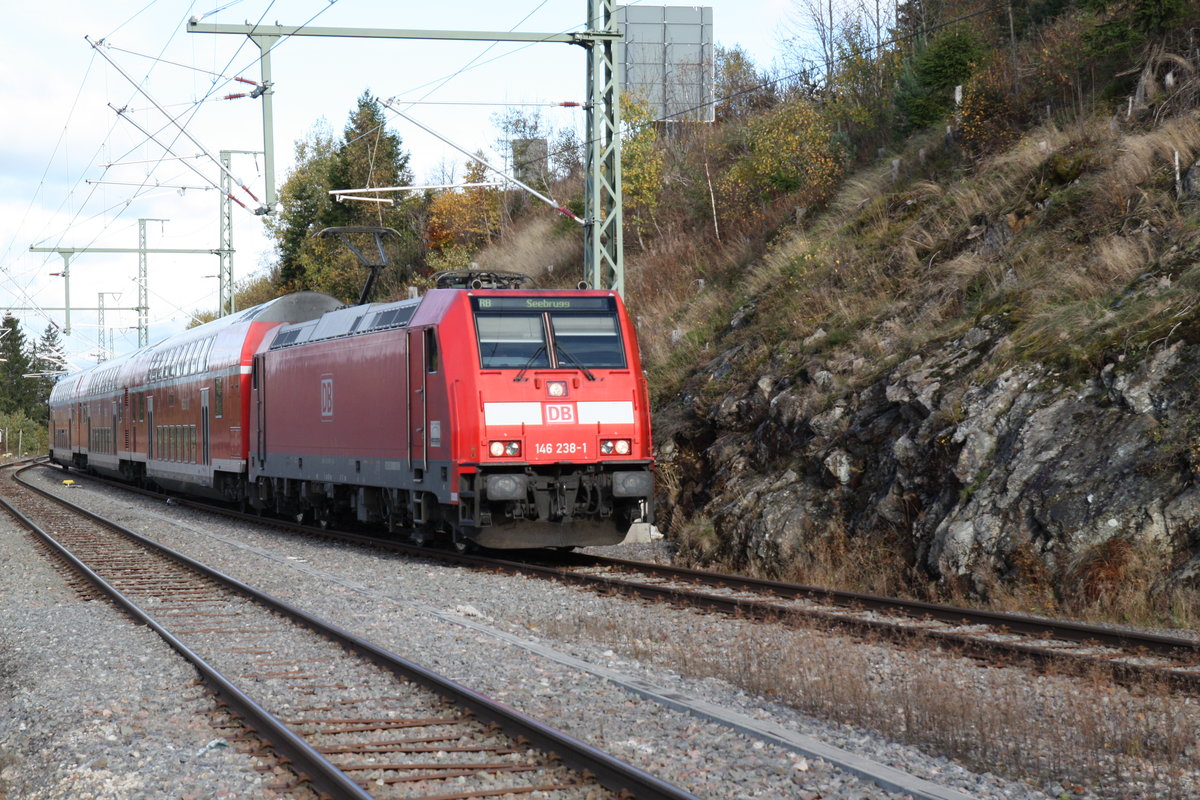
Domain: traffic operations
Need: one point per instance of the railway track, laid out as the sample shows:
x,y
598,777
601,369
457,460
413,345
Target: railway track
x,y
1127,655
354,720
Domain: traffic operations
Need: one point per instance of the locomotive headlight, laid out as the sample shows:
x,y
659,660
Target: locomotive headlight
x,y
619,446
501,449
556,388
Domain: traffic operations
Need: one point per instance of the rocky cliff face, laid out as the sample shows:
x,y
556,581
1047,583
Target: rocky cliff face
x,y
977,470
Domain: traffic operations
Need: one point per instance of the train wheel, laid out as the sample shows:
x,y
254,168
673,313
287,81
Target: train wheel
x,y
395,521
462,543
324,517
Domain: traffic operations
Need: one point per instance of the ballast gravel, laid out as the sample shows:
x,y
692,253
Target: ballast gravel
x,y
93,706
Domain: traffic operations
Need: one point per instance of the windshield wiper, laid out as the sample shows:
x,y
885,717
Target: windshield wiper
x,y
521,375
570,357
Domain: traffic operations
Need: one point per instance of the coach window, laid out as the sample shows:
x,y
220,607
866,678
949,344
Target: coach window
x,y
431,350
218,397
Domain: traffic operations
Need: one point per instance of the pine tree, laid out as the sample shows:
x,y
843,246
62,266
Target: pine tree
x,y
48,361
740,87
367,155
17,392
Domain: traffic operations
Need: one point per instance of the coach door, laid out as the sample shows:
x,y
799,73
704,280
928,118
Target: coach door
x,y
206,453
150,427
418,406
258,380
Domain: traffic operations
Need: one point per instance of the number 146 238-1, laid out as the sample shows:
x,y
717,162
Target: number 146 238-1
x,y
560,449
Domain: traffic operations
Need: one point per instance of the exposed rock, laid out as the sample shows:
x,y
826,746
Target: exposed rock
x,y
818,335
841,466
742,316
974,469
1138,390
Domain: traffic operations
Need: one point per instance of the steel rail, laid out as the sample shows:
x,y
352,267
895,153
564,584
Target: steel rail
x,y
766,610
307,760
1021,623
609,771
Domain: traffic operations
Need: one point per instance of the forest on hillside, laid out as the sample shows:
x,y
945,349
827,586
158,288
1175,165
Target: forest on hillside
x,y
859,82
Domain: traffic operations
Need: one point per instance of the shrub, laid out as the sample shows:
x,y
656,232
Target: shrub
x,y
789,150
926,90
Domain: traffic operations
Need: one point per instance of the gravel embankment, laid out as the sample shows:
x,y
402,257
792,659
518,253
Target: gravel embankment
x,y
120,716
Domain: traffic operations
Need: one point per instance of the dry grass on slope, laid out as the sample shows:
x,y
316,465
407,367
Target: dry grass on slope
x,y
538,245
1075,234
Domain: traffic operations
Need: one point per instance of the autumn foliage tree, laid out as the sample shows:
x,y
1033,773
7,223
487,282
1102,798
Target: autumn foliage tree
x,y
642,164
790,150
740,88
463,220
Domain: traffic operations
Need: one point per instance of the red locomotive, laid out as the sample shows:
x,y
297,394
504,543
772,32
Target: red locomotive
x,y
499,417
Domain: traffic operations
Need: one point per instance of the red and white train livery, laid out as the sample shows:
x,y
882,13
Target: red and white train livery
x,y
505,418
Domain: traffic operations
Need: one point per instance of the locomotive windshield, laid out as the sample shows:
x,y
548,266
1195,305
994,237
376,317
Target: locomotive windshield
x,y
536,332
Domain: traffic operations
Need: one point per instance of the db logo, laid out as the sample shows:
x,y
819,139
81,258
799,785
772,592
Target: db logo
x,y
559,413
326,397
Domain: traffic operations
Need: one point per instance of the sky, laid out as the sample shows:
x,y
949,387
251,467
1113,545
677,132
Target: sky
x,y
75,173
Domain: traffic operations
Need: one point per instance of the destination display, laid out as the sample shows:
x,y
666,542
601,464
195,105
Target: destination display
x,y
542,303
